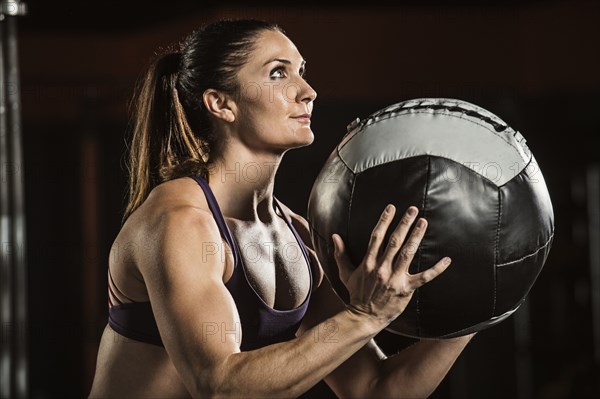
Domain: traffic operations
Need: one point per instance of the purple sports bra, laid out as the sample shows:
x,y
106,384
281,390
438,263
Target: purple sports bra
x,y
261,324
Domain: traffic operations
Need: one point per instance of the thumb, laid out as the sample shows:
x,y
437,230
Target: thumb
x,y
345,266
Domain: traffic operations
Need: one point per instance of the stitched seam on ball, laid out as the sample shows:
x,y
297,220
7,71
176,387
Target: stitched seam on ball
x,y
319,236
423,203
350,209
344,162
442,157
524,170
529,255
496,251
478,112
379,118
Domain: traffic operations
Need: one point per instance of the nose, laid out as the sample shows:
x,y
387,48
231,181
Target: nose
x,y
309,93
303,92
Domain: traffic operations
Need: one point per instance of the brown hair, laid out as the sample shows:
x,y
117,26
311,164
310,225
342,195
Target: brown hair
x,y
172,133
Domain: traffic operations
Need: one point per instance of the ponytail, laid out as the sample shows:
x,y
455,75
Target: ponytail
x,y
163,145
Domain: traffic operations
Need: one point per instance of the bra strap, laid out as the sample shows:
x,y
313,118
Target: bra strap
x,y
218,215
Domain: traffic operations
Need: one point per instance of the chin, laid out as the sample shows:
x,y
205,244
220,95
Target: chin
x,y
299,138
307,138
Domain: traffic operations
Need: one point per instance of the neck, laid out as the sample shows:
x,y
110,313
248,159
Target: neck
x,y
242,182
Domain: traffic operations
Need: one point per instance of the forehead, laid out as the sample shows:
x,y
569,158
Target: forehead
x,y
271,45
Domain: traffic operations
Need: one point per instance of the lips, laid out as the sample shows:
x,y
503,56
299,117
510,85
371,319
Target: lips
x,y
302,118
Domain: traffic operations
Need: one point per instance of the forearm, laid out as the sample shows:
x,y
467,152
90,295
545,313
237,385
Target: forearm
x,y
416,371
290,368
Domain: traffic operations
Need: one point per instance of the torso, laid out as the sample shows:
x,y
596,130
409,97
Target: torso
x,y
274,263
275,267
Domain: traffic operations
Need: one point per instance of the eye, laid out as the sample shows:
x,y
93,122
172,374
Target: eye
x,y
278,73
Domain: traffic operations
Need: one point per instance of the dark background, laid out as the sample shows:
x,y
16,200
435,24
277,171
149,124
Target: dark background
x,y
536,64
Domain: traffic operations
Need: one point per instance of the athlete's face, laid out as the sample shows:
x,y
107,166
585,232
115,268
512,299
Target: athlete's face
x,y
275,102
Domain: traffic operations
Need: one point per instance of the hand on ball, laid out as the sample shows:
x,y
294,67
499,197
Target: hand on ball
x,y
381,286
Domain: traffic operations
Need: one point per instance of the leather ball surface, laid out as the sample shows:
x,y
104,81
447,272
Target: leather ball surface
x,y
475,181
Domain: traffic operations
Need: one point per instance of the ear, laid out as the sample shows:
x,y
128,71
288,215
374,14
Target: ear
x,y
219,105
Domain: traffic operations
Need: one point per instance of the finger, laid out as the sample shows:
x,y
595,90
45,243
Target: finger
x,y
378,234
399,234
345,266
410,247
420,279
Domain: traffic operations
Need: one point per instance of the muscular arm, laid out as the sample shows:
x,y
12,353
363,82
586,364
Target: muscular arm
x,y
417,370
414,372
197,318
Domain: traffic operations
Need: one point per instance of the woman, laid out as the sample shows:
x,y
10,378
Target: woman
x,y
215,290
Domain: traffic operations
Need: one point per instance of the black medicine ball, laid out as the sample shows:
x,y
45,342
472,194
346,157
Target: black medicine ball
x,y
475,181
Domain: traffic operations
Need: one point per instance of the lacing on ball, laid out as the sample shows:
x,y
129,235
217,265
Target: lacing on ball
x,y
427,104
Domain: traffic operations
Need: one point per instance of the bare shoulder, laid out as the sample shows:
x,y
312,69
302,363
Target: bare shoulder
x,y
178,198
178,192
303,229
174,217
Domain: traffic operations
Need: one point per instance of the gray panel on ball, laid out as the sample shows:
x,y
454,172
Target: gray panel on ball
x,y
410,132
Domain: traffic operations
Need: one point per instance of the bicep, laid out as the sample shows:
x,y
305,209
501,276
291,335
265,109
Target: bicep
x,y
194,312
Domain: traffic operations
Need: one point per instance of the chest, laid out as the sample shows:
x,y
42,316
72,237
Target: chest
x,y
274,263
